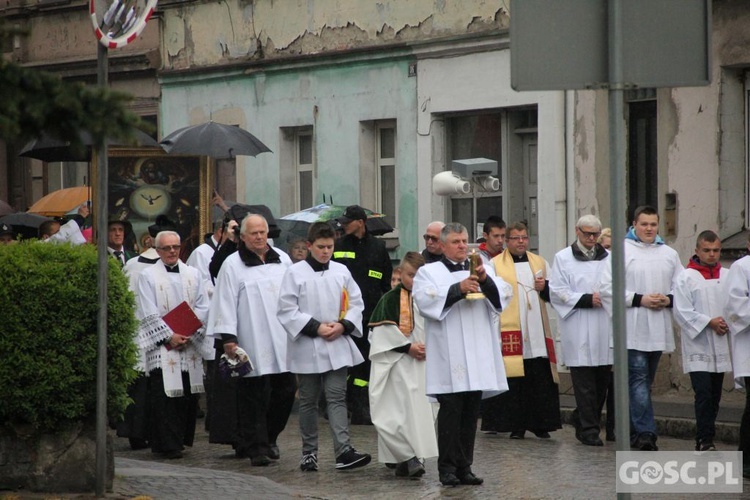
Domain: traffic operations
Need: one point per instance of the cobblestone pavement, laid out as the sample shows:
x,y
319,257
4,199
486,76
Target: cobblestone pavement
x,y
531,468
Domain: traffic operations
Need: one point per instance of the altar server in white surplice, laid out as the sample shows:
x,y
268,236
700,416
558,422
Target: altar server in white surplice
x,y
699,300
462,347
176,375
320,306
244,314
585,326
400,410
737,314
651,271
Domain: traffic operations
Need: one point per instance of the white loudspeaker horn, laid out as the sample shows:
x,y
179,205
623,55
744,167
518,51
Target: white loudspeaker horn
x,y
446,183
488,183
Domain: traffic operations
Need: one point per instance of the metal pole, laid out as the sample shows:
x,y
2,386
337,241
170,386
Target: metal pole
x,y
102,200
617,210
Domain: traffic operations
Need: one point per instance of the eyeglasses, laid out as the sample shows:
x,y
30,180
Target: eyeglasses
x,y
429,237
170,248
586,234
517,238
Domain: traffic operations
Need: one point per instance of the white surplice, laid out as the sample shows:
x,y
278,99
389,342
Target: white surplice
x,y
399,408
585,333
462,341
158,293
244,304
200,259
649,268
134,267
307,294
737,316
696,301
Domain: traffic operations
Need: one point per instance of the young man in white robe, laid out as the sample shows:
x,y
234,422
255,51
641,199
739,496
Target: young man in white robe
x,y
699,300
320,307
651,271
585,326
462,348
737,315
400,410
176,374
244,314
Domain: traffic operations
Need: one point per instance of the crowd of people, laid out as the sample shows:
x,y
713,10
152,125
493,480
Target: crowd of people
x,y
452,335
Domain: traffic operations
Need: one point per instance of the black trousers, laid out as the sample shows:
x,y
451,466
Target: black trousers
x,y
253,395
172,419
590,387
708,388
136,423
457,429
745,428
283,390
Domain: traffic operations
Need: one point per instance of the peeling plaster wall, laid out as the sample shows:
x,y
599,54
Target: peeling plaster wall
x,y
333,99
202,34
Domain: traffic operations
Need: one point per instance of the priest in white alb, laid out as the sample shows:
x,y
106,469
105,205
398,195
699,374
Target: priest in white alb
x,y
400,410
176,374
462,348
585,326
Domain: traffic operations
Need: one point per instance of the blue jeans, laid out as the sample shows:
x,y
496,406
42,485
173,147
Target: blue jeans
x,y
641,372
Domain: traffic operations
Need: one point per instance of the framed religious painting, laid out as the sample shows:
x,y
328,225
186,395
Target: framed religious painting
x,y
146,183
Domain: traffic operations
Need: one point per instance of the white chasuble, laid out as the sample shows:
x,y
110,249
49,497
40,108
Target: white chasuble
x,y
462,341
307,294
244,304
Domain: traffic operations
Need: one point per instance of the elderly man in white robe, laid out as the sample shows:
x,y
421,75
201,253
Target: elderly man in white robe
x,y
243,314
136,425
585,326
463,361
175,374
699,300
320,306
737,315
651,271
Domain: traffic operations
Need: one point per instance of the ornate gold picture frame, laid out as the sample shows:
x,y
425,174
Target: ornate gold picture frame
x,y
147,182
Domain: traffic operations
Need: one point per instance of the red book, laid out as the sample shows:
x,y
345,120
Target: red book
x,y
182,320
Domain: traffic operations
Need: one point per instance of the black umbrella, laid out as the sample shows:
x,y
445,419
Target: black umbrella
x,y
215,140
25,224
48,148
238,212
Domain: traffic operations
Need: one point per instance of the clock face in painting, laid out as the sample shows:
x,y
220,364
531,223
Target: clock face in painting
x,y
150,200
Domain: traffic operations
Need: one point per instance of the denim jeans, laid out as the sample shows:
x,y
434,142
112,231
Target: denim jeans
x,y
707,387
333,384
641,372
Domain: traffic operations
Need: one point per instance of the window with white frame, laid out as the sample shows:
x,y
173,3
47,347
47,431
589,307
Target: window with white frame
x,y
386,171
304,163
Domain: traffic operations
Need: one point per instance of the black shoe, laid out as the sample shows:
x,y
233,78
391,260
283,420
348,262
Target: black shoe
x,y
705,445
449,479
391,466
273,452
590,441
415,467
402,470
470,479
542,435
351,459
646,442
517,434
309,462
138,444
172,455
260,461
